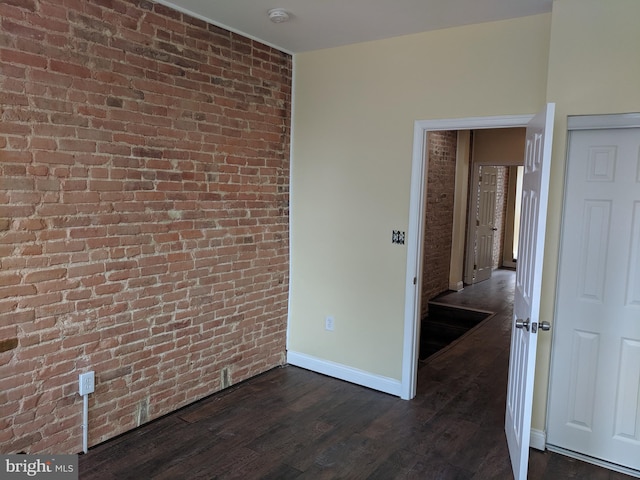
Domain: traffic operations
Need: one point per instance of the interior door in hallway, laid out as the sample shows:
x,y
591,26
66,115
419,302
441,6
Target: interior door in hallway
x,y
594,406
485,223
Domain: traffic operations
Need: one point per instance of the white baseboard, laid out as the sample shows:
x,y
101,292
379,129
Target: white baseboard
x,y
456,286
538,439
595,461
344,372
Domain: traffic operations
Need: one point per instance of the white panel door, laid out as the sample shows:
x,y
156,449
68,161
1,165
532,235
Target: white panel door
x,y
594,406
526,306
486,219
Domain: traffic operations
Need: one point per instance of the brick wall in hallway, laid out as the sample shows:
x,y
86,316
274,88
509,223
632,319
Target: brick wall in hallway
x,y
438,214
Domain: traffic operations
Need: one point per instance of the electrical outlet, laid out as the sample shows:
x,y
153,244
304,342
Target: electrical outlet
x,y
87,383
328,323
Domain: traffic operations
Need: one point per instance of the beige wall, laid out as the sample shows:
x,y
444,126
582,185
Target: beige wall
x,y
499,146
594,68
354,114
353,127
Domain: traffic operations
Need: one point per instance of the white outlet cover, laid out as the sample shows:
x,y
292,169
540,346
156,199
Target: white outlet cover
x,y
87,383
329,323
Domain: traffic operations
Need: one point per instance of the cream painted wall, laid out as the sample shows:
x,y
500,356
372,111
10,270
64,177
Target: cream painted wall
x,y
352,138
594,68
354,113
499,146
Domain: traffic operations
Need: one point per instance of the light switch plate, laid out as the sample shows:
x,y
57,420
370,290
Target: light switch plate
x,y
397,237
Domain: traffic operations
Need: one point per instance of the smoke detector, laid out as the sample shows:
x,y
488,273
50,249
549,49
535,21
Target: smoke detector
x,y
278,15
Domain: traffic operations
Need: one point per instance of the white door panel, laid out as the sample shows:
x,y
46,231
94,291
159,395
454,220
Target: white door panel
x,y
535,190
486,220
594,406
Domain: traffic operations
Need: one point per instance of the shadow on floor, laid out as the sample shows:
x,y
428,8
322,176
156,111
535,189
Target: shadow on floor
x,y
445,324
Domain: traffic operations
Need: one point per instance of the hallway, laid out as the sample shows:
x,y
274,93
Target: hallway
x,y
291,423
494,295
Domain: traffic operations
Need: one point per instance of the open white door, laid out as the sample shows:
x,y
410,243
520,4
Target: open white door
x,y
526,307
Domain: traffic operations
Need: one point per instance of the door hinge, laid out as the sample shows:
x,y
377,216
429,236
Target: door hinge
x,y
415,280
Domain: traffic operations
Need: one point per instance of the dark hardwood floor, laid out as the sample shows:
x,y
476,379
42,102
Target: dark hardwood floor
x,y
445,323
291,423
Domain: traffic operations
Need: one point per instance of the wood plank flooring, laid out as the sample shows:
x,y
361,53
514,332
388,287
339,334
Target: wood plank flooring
x,y
444,324
290,423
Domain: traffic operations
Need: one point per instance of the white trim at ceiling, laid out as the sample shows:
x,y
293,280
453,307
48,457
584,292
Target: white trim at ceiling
x,y
221,25
593,122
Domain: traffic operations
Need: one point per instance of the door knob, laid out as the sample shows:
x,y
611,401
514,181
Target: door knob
x,y
546,326
523,323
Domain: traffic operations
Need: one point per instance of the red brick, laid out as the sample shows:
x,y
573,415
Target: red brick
x,y
118,222
23,58
44,275
69,69
439,211
40,300
53,157
21,30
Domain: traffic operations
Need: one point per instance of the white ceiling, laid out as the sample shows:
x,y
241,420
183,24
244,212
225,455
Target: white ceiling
x,y
317,24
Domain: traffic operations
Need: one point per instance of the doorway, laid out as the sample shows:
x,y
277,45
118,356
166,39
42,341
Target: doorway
x,y
537,161
417,225
468,192
494,211
470,204
485,227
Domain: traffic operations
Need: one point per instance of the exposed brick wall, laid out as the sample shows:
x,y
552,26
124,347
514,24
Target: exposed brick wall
x,y
441,172
502,191
144,172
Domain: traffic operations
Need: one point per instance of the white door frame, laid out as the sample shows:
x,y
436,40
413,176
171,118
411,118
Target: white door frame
x,y
415,233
